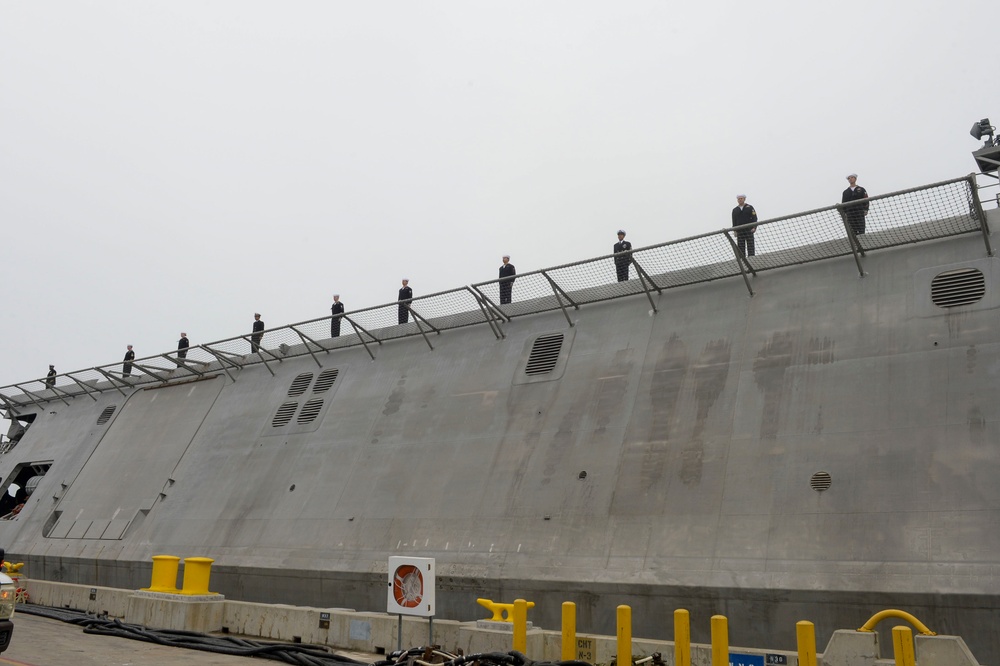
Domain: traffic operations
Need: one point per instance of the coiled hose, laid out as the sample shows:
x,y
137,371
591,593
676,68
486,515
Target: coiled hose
x,y
421,656
289,653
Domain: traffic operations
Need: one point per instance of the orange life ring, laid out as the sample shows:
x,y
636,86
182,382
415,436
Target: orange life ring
x,y
407,586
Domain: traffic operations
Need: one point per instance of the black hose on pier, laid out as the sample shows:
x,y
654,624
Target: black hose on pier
x,y
289,653
434,655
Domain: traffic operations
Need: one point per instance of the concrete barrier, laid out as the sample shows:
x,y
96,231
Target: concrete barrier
x,y
99,600
861,648
376,633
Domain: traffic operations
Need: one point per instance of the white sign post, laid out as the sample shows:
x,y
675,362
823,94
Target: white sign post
x,y
411,591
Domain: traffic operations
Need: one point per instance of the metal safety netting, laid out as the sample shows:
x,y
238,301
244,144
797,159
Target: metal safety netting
x,y
915,215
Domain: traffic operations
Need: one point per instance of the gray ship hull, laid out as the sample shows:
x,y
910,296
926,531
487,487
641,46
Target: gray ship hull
x,y
665,459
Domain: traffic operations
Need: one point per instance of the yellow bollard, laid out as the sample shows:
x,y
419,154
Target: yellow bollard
x,y
164,578
720,640
197,571
501,612
625,635
682,637
805,633
520,625
568,631
902,646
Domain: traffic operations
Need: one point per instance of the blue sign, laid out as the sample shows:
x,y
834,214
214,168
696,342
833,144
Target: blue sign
x,y
736,659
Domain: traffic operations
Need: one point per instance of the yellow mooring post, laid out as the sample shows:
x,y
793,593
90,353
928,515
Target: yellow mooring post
x,y
164,577
625,635
682,637
805,634
568,631
902,646
720,640
520,625
197,571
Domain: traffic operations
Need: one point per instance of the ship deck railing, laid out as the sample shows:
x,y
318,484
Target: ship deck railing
x,y
916,215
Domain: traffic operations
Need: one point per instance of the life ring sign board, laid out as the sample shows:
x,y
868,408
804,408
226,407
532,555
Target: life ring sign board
x,y
411,586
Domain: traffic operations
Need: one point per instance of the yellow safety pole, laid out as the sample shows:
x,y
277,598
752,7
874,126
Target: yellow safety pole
x,y
197,571
625,635
805,633
164,577
520,625
682,637
902,646
568,631
720,640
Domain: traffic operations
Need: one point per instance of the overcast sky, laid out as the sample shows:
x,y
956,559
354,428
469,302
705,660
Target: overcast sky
x,y
177,166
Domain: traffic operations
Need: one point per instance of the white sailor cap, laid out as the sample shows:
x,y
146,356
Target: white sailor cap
x,y
852,175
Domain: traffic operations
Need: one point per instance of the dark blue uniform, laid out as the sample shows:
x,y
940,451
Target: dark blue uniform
x,y
622,262
405,294
257,336
336,309
744,237
507,286
856,212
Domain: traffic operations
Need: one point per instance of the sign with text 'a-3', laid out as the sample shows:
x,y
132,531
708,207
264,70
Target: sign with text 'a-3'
x,y
411,586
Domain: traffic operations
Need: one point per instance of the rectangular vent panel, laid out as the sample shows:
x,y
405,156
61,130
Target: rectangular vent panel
x,y
959,287
544,354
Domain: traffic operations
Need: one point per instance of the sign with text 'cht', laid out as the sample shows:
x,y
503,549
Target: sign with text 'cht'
x,y
585,649
411,586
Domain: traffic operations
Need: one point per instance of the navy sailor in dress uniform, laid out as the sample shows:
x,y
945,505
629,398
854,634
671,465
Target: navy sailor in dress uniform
x,y
855,214
336,309
127,364
622,261
744,213
507,286
405,294
258,333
